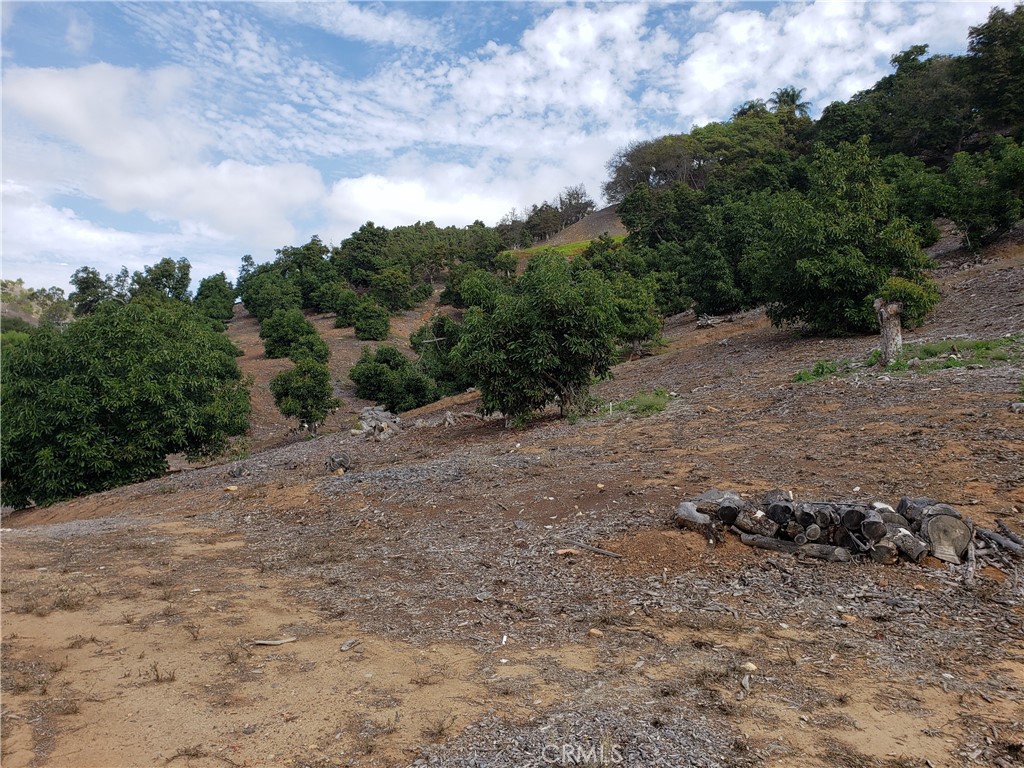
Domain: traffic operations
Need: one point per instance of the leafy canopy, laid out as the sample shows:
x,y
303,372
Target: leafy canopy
x,y
103,403
548,337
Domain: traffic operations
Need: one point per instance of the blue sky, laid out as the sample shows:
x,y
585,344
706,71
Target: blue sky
x,y
135,131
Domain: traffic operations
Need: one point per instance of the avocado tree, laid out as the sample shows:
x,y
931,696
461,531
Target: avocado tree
x,y
545,339
829,254
104,402
305,393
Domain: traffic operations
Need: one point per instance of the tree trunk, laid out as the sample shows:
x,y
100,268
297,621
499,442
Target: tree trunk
x,y
872,526
885,552
912,547
888,313
820,551
687,516
756,522
948,537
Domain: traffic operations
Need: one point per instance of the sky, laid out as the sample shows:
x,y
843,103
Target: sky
x,y
138,131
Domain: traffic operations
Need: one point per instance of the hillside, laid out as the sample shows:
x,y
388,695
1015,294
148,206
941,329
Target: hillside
x,y
485,633
604,221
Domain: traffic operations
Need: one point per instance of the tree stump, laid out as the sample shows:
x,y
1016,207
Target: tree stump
x,y
888,313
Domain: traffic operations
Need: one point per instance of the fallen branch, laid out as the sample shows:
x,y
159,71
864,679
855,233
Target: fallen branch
x,y
1001,541
595,550
275,642
819,551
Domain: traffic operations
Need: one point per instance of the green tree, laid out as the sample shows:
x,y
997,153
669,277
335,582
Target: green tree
x,y
392,288
435,343
90,290
104,402
362,255
305,393
307,267
786,100
371,321
996,60
267,291
984,192
288,333
545,339
166,279
388,377
827,255
216,298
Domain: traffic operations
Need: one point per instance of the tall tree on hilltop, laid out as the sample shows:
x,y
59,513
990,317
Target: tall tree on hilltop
x,y
786,100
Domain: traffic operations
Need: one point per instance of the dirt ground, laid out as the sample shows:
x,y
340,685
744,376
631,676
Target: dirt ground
x,y
434,605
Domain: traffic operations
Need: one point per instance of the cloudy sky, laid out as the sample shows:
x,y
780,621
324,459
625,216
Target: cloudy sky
x,y
134,131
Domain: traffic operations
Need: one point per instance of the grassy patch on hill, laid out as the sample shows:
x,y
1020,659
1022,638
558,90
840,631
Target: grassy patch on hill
x,y
927,357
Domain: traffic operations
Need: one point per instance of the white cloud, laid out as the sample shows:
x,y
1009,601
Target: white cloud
x,y
143,152
79,34
50,243
362,22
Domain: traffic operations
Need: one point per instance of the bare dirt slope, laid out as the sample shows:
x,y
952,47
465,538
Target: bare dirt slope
x,y
486,636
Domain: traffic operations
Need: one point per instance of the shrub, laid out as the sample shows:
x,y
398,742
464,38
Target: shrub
x,y
305,393
371,321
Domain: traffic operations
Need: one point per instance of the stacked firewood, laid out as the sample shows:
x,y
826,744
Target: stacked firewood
x,y
833,531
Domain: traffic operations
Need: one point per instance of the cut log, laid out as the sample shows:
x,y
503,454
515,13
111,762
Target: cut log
x,y
895,518
913,507
947,537
730,509
909,545
687,516
791,530
780,512
885,552
820,551
941,509
851,516
826,515
712,502
756,522
888,314
872,527
804,514
812,532
776,495
800,538
1001,541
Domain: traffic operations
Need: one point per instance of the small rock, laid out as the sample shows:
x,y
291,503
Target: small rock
x,y
348,644
1017,407
230,487
913,362
339,471
359,649
748,667
595,632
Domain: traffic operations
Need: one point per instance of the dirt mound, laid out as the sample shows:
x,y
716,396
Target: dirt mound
x,y
433,605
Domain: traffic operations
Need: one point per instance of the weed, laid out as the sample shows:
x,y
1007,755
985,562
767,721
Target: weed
x,y
168,594
128,618
193,629
166,489
161,677
821,370
231,654
641,404
68,598
439,727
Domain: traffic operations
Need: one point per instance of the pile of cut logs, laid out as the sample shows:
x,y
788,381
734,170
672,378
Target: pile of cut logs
x,y
837,532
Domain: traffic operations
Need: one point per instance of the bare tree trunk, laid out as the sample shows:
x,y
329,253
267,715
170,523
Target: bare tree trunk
x,y
888,313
